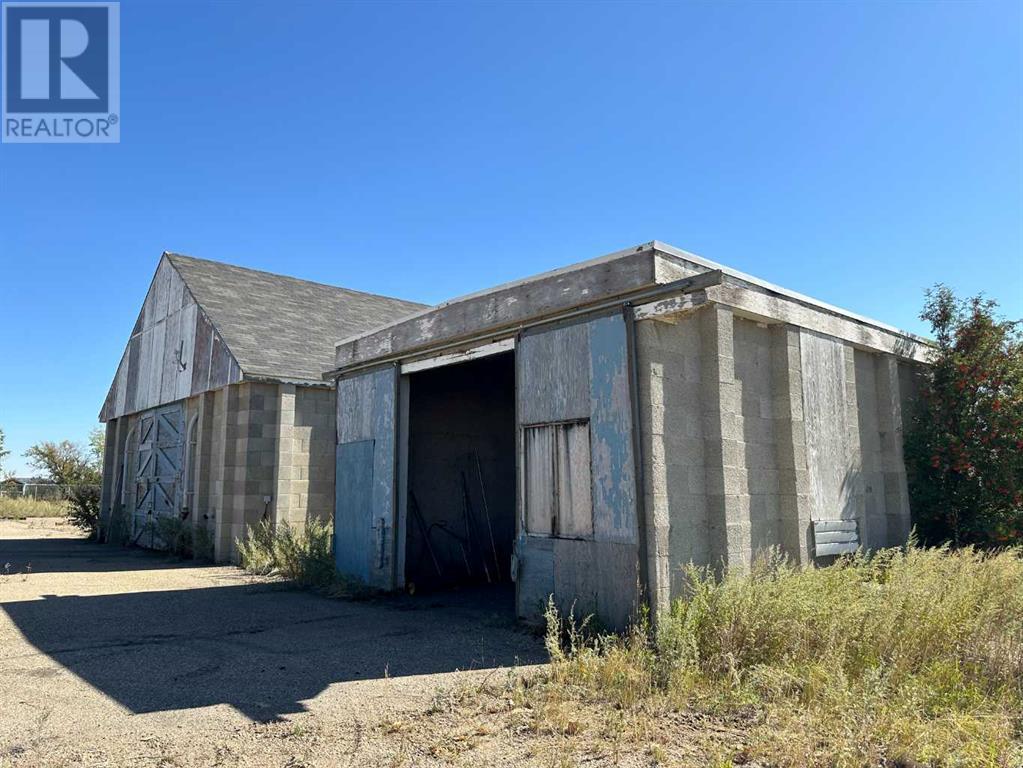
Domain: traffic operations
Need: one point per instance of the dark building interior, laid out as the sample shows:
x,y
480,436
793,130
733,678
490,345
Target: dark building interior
x,y
460,522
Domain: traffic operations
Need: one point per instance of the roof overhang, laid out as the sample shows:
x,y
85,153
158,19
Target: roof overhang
x,y
656,279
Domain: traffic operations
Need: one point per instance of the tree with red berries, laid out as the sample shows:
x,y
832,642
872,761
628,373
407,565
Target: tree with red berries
x,y
964,440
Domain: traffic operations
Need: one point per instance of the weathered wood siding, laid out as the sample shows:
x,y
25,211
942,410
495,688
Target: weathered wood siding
x,y
173,353
580,372
364,508
160,447
853,412
832,461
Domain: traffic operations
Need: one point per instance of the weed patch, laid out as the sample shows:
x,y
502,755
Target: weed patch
x,y
904,657
302,555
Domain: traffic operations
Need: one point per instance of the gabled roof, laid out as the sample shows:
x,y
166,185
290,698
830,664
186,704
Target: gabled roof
x,y
282,327
205,324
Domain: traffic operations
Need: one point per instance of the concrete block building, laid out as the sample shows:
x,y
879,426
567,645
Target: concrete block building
x,y
587,432
218,414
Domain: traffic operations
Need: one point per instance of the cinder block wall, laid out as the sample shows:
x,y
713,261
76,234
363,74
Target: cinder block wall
x,y
218,415
757,462
243,462
726,404
252,441
672,444
304,481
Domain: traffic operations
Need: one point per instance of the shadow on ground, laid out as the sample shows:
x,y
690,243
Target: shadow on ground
x,y
73,554
261,647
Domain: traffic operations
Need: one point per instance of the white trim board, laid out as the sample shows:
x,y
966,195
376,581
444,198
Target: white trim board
x,y
462,356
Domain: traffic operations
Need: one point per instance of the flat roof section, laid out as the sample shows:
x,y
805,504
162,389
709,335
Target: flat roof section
x,y
508,307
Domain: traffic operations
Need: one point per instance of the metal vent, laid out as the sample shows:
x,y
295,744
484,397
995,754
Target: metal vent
x,y
835,537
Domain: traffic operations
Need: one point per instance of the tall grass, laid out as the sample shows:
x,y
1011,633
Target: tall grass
x,y
905,656
17,507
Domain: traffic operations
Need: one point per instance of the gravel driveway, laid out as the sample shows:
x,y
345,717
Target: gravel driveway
x,y
114,657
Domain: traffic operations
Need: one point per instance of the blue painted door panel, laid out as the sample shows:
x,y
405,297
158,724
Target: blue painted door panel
x,y
365,480
570,373
353,520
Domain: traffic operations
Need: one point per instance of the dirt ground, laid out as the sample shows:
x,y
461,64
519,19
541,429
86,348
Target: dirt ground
x,y
123,657
114,657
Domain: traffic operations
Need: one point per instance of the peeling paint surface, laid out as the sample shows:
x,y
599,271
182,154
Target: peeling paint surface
x,y
572,372
364,505
614,479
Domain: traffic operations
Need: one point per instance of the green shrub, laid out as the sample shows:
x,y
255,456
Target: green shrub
x,y
964,439
83,507
175,534
914,655
202,544
300,554
118,530
256,550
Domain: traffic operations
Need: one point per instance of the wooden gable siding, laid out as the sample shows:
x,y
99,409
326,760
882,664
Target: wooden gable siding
x,y
174,351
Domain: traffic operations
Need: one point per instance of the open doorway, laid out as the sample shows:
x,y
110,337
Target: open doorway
x,y
460,511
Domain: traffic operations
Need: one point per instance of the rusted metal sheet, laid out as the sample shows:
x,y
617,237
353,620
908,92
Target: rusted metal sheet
x,y
614,475
367,413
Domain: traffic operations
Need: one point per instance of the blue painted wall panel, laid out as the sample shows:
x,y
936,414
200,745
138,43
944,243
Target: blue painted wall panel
x,y
354,505
611,446
366,410
572,372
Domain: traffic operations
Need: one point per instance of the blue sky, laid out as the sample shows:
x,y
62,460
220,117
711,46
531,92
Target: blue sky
x,y
856,152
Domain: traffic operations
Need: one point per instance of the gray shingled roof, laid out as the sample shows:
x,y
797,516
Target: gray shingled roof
x,y
282,327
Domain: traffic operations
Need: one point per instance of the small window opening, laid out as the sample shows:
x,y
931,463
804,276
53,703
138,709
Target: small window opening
x,y
557,473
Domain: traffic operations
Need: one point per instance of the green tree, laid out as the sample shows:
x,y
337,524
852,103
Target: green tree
x,y
78,468
964,445
4,453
